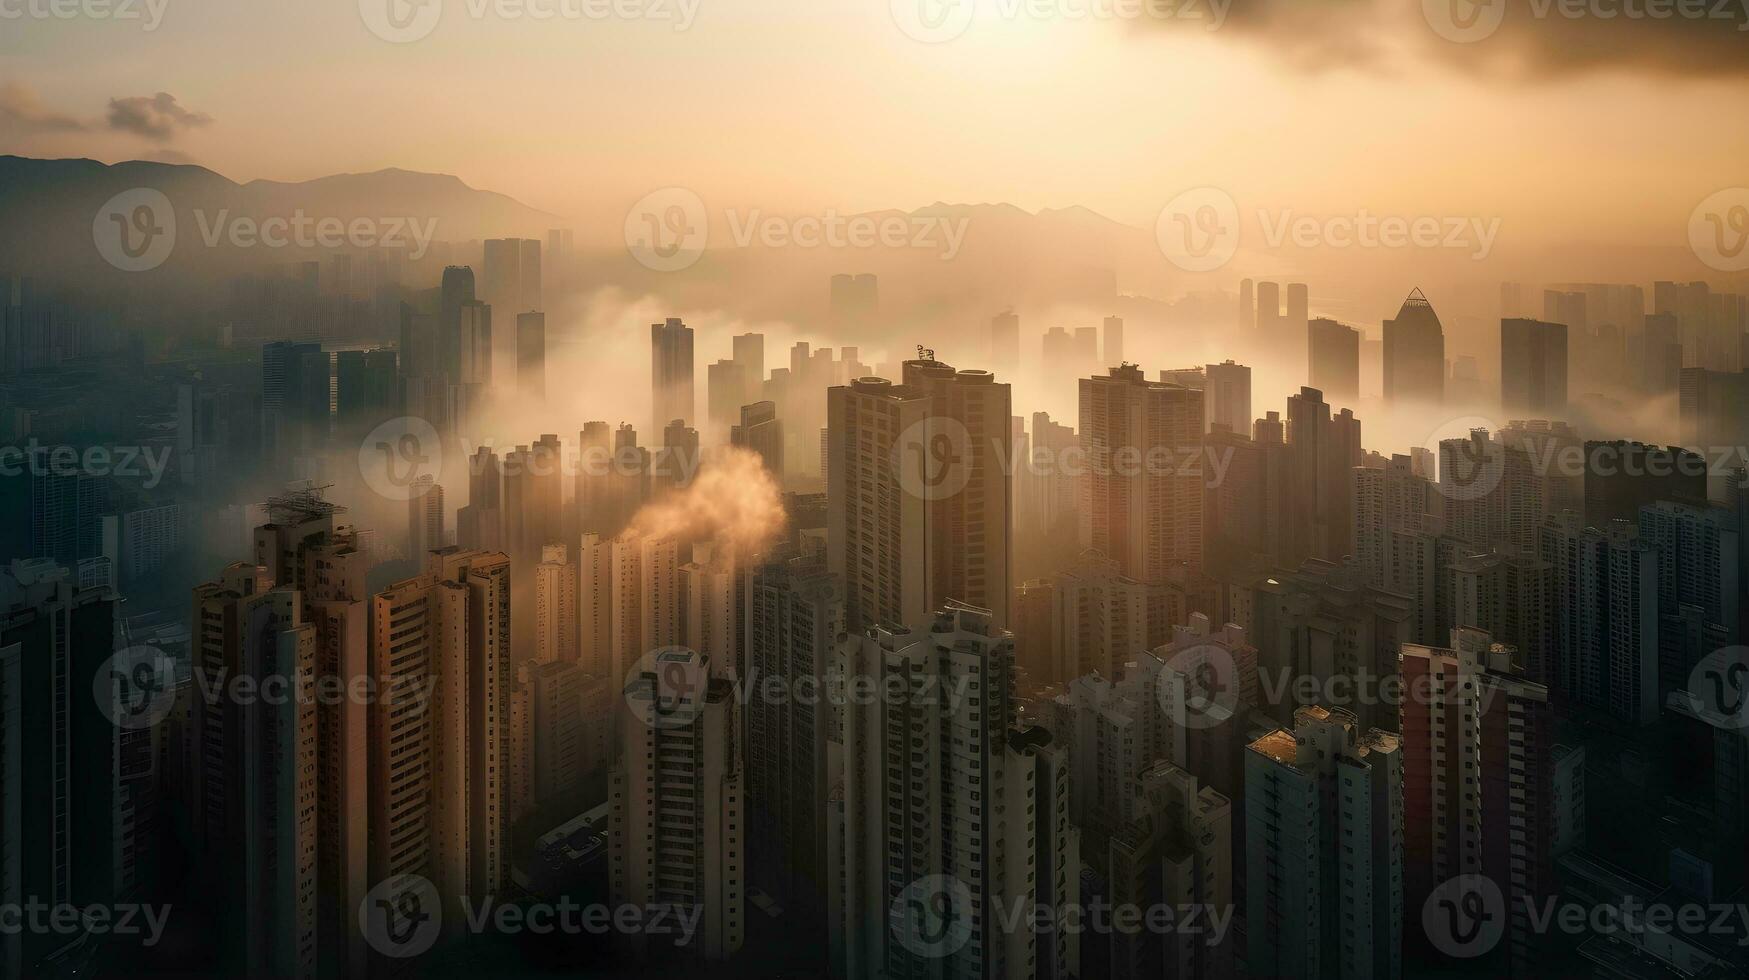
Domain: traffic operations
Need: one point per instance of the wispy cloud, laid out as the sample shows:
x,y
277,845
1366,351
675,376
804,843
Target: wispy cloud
x,y
22,113
156,117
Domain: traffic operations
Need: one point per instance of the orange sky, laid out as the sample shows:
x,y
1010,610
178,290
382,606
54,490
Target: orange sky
x,y
828,103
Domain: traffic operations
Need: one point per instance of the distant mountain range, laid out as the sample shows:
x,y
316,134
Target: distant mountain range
x,y
50,207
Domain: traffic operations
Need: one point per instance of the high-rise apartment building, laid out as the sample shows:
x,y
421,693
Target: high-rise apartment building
x,y
937,800
1176,852
1113,340
1145,516
795,617
70,786
1323,621
678,832
1533,368
555,606
440,657
1387,498
1004,342
671,373
1699,562
1621,477
1605,593
1478,785
1323,450
1324,849
531,356
1227,396
919,491
761,431
1334,359
1101,617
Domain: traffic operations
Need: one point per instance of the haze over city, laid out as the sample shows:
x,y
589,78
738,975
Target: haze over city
x,y
874,489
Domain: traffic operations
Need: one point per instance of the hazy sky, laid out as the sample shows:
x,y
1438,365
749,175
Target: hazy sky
x,y
809,104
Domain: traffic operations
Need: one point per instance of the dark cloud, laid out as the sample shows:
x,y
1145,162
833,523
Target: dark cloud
x,y
1512,38
22,113
156,117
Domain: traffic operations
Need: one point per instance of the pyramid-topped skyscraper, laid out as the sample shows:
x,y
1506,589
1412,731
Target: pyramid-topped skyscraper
x,y
1415,353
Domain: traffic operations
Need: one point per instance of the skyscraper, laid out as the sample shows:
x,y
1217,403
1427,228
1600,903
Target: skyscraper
x,y
749,352
1322,453
531,355
1004,342
671,373
677,826
795,618
761,431
1479,781
1387,498
425,519
1606,625
1176,852
555,606
1415,354
440,656
1533,368
1698,564
1113,341
1334,360
1227,396
555,749
726,391
1324,849
303,548
257,768
456,292
69,787
1145,516
1100,617
937,800
919,489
